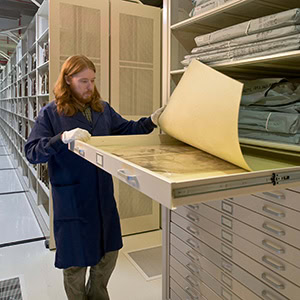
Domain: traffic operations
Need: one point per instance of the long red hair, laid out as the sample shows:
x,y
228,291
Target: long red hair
x,y
63,95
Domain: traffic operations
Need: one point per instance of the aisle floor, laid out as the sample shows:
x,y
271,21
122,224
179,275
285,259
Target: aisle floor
x,y
23,253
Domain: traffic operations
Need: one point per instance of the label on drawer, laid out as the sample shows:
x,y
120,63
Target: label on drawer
x,y
226,265
225,294
226,279
99,159
227,207
226,236
226,221
226,250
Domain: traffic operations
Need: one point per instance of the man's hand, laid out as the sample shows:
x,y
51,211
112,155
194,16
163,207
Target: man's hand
x,y
155,116
75,134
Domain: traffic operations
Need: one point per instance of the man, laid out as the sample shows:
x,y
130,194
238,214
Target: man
x,y
86,222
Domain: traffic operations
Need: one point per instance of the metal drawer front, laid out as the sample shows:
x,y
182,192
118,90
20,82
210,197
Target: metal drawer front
x,y
192,292
259,238
254,285
275,264
196,270
287,197
214,278
269,226
280,284
189,282
174,296
184,295
268,208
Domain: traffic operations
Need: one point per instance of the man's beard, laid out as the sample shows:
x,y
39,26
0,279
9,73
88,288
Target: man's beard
x,y
81,99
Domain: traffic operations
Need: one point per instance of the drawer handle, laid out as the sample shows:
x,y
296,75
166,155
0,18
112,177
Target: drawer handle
x,y
276,195
192,218
130,179
192,256
189,291
274,229
192,268
273,247
273,263
192,243
194,206
80,151
272,211
191,281
271,280
192,230
267,295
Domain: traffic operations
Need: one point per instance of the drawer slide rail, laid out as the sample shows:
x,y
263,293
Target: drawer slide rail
x,y
275,179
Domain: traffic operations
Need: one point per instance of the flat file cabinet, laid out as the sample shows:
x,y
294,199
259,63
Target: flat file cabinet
x,y
243,247
239,246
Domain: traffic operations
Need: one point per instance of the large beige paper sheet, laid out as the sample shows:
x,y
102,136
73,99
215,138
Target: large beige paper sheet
x,y
203,112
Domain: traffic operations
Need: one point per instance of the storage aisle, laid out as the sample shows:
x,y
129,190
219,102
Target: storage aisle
x,y
24,258
17,220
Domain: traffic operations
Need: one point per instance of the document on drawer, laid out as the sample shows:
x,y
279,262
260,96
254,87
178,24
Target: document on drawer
x,y
203,112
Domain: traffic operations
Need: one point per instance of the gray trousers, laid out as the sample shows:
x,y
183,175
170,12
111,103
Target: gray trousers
x,y
96,287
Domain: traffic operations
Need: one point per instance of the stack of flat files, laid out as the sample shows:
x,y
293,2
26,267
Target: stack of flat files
x,y
270,110
202,6
277,33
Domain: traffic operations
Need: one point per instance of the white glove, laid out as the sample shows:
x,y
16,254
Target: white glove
x,y
75,134
155,116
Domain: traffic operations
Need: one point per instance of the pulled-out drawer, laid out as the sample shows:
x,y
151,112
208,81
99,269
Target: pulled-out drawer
x,y
176,174
239,235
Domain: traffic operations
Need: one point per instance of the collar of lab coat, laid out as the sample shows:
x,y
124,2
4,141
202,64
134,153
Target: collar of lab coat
x,y
81,118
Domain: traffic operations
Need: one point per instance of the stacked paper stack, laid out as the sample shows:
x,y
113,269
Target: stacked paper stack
x,y
202,6
268,35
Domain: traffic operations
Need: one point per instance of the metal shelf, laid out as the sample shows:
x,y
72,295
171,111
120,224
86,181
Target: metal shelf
x,y
232,13
280,64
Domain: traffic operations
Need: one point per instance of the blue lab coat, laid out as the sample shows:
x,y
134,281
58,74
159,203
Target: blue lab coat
x,y
86,220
